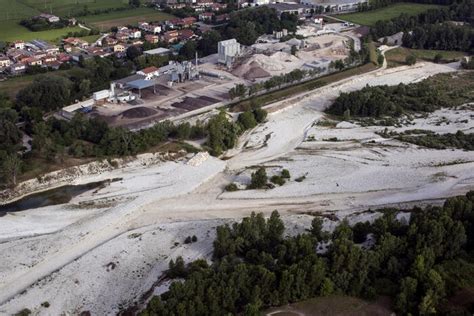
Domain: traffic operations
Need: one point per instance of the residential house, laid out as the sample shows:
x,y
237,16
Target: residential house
x,y
134,34
186,34
49,59
149,72
122,36
17,69
62,57
206,16
5,61
173,23
110,41
218,6
149,27
19,44
152,38
170,36
187,22
77,42
221,18
49,17
32,61
119,48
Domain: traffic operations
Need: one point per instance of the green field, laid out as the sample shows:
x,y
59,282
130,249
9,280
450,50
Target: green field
x,y
11,30
13,11
68,7
370,17
132,16
396,57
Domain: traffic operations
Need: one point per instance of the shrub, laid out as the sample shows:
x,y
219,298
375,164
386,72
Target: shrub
x,y
260,114
410,60
300,179
277,180
247,120
438,57
231,187
259,179
45,304
285,173
188,240
194,238
23,312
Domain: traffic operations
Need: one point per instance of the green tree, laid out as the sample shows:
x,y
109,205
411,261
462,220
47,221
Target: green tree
x,y
247,120
258,179
11,168
46,93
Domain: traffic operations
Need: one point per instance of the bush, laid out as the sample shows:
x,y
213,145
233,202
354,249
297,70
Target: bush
x,y
45,304
285,173
260,114
188,240
410,60
438,57
247,120
277,180
194,238
300,179
259,179
231,187
23,312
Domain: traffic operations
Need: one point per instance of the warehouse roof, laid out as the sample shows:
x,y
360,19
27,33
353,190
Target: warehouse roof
x,y
140,84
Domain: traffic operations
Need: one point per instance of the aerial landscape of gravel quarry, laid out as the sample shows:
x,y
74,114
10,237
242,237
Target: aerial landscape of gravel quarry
x,y
259,158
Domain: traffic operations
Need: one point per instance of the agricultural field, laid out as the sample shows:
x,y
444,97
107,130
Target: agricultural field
x,y
11,30
69,7
132,16
396,57
370,17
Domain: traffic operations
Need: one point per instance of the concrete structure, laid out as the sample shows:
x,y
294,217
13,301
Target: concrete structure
x,y
335,5
261,2
158,51
291,8
68,112
227,51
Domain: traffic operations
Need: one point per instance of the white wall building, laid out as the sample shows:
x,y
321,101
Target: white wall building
x,y
335,5
227,50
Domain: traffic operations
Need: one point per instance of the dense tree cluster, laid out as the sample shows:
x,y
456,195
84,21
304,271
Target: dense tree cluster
x,y
248,24
415,263
381,101
36,24
431,29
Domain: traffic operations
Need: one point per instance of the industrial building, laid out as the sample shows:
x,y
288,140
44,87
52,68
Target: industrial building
x,y
335,5
227,51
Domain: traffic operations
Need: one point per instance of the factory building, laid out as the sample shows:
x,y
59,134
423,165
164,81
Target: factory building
x,y
227,51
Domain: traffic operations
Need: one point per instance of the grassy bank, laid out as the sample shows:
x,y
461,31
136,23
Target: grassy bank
x,y
370,17
126,17
396,57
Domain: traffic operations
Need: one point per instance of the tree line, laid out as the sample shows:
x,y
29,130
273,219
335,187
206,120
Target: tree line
x,y
418,264
425,96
